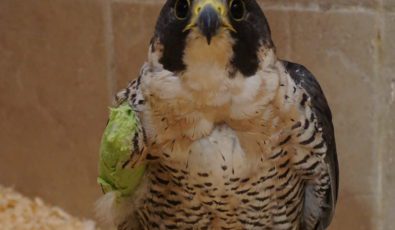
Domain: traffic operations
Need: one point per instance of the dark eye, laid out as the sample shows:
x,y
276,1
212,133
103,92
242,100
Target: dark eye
x,y
237,9
181,9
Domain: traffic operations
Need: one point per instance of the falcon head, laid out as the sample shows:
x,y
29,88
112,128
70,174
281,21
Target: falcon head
x,y
230,30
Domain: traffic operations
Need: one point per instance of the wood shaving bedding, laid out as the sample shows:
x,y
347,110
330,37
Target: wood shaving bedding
x,y
20,213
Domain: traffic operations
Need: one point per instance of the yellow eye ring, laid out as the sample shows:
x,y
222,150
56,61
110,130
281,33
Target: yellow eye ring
x,y
181,9
237,10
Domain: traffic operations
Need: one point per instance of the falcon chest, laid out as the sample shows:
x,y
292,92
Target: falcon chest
x,y
216,141
203,117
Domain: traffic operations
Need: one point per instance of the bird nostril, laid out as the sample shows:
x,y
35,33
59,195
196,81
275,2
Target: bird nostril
x,y
199,9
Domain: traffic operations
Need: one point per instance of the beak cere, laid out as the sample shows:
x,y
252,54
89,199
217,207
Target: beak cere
x,y
209,22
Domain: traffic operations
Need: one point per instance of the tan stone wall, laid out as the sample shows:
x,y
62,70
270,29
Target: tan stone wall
x,y
61,60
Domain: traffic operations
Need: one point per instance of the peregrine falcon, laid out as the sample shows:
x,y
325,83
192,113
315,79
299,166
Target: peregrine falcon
x,y
235,137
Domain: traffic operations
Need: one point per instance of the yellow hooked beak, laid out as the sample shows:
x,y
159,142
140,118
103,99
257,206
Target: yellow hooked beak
x,y
209,16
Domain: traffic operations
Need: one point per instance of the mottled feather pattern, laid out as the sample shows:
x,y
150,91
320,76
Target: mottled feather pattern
x,y
203,182
329,181
237,139
112,208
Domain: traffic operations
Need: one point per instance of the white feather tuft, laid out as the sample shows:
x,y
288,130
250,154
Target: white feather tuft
x,y
114,211
105,208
